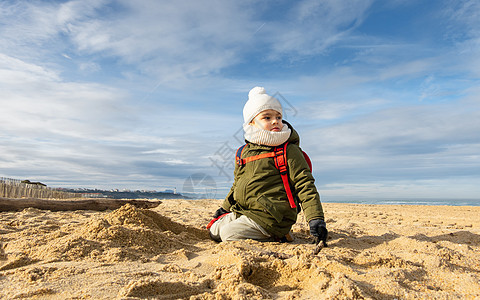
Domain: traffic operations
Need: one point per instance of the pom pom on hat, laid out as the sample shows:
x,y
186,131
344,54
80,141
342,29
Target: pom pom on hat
x,y
256,90
258,101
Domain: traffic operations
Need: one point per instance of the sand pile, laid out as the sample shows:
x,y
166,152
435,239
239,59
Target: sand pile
x,y
375,252
125,234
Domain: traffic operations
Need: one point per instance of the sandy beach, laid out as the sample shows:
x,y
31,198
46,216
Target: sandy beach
x,y
375,252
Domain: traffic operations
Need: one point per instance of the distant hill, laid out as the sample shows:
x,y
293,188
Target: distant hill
x,y
95,193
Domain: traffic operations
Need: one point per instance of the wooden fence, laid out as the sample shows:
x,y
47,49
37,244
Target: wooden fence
x,y
14,188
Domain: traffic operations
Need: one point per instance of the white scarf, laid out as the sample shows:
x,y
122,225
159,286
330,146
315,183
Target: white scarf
x,y
264,137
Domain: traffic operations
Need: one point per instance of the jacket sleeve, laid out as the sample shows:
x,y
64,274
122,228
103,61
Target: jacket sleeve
x,y
229,199
301,179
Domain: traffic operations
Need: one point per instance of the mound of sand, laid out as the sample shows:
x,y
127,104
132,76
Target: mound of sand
x,y
125,234
375,252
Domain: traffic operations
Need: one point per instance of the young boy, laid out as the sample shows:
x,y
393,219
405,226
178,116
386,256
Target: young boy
x,y
257,206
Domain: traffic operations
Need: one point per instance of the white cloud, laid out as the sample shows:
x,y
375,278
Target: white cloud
x,y
404,126
17,71
88,134
333,109
178,40
35,102
34,29
417,142
313,26
465,17
169,40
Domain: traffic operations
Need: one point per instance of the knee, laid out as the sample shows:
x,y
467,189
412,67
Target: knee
x,y
227,234
215,237
224,234
214,232
221,234
218,230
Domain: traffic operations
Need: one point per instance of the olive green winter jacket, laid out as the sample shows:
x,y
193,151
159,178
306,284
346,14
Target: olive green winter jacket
x,y
258,192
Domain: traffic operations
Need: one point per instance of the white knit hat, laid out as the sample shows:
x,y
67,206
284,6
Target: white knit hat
x,y
258,101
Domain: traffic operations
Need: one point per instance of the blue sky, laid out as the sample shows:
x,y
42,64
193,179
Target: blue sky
x,y
149,94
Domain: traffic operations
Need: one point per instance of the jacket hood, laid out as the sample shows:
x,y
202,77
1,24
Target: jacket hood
x,y
294,137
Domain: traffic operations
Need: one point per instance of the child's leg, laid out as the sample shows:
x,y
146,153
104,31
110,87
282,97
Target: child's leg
x,y
231,228
243,228
223,221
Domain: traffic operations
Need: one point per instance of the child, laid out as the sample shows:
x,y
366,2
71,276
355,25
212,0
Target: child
x,y
257,206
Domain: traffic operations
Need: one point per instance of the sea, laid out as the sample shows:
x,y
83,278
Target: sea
x,y
386,201
405,201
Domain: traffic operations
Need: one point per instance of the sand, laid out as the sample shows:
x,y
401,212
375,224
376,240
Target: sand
x,y
375,252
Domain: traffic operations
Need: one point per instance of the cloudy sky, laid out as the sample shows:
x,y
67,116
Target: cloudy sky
x,y
149,94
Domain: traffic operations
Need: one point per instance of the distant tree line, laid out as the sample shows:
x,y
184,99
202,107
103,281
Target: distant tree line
x,y
14,188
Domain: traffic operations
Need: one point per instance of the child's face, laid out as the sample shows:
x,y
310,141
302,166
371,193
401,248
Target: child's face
x,y
269,119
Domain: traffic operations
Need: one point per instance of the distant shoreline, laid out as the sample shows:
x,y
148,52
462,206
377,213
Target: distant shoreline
x,y
406,201
399,201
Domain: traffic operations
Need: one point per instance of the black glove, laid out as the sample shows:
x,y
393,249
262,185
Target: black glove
x,y
219,212
318,229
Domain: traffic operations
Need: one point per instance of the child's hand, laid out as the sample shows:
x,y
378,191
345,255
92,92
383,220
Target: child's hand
x,y
318,229
219,212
